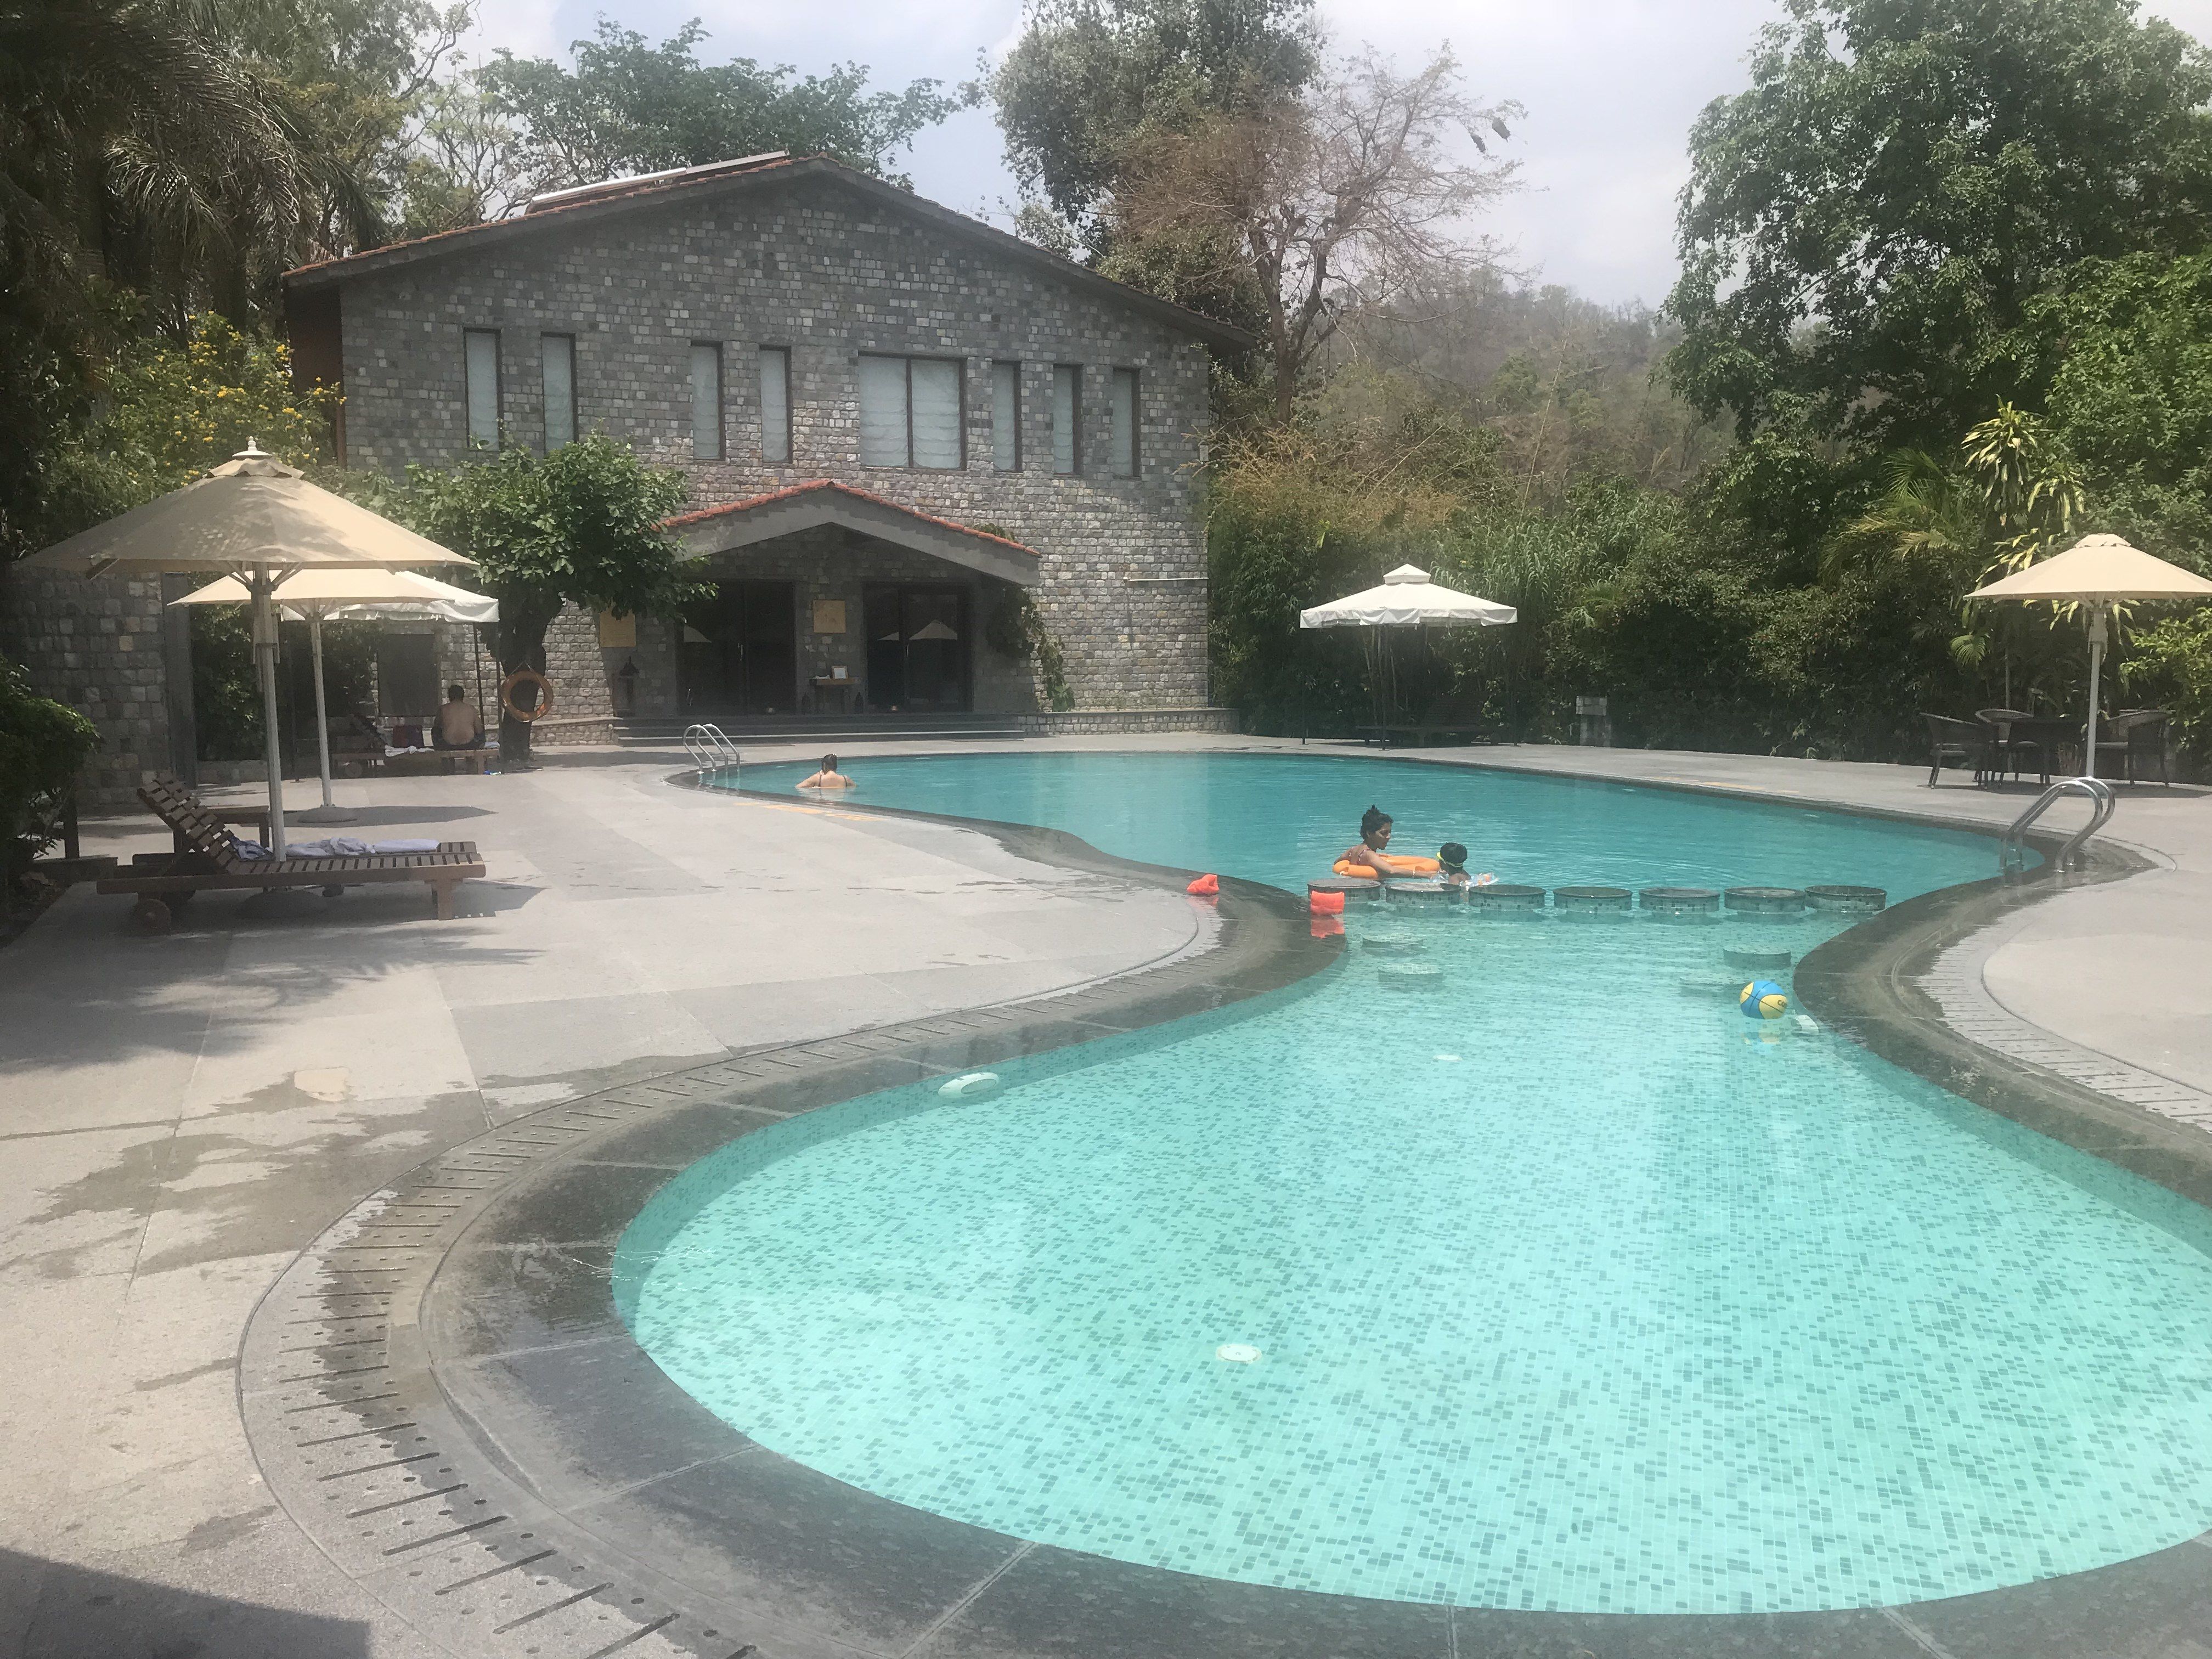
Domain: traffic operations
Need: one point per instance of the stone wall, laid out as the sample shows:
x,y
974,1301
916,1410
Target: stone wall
x,y
1093,721
827,273
96,646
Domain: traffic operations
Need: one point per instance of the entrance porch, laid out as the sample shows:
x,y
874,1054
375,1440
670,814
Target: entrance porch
x,y
825,601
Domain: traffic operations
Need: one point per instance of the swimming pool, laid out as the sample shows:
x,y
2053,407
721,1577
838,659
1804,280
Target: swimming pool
x,y
1569,1287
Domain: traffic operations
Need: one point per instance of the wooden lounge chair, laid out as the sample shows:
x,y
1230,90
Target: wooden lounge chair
x,y
1449,720
209,859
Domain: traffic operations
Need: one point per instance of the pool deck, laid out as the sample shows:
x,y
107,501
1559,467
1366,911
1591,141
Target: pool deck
x,y
182,1115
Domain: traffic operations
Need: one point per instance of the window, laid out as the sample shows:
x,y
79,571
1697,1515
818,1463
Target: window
x,y
1007,416
1067,417
1123,454
706,402
557,354
482,355
911,412
775,404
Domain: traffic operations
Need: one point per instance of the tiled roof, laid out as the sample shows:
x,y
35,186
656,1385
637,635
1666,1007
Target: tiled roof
x,y
793,491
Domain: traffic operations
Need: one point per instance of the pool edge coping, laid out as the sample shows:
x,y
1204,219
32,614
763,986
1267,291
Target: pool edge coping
x,y
1843,980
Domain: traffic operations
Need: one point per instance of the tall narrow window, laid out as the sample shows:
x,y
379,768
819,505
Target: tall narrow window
x,y
706,402
1067,417
1007,416
883,412
483,365
558,354
775,404
936,424
911,413
1124,456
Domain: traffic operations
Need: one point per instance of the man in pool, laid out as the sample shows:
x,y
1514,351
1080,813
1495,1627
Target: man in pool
x,y
1370,853
827,778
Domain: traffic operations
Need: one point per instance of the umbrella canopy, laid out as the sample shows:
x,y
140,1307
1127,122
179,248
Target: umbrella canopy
x,y
253,517
1407,597
251,510
2098,571
318,591
358,595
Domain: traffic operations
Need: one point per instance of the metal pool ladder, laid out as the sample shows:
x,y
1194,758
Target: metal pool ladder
x,y
710,748
2011,851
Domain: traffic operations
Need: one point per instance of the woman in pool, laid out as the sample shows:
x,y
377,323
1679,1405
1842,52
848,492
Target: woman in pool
x,y
827,778
1371,853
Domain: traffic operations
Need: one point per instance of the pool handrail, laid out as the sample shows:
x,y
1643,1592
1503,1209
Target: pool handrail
x,y
710,748
2012,850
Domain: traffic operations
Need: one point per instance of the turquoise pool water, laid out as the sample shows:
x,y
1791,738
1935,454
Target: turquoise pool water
x,y
1570,1288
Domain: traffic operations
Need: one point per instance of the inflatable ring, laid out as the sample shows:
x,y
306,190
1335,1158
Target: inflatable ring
x,y
1399,866
526,677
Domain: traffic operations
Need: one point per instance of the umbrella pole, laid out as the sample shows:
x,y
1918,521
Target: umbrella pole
x,y
2096,671
329,812
265,656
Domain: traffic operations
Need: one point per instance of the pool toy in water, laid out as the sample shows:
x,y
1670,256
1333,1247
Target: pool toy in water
x,y
1205,887
1398,866
971,1085
1324,903
1763,1000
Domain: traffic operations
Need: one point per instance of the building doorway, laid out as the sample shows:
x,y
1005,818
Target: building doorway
x,y
917,646
740,652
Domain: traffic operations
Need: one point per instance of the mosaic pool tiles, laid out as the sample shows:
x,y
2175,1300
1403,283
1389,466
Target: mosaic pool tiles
x,y
1574,1289
1611,1302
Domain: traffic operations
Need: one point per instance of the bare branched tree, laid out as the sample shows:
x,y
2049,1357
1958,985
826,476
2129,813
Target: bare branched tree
x,y
1347,194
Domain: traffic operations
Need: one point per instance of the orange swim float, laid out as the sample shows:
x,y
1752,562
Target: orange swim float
x,y
1398,867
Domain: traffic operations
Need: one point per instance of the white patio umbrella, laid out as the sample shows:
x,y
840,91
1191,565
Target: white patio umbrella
x,y
315,595
2098,571
253,517
1406,599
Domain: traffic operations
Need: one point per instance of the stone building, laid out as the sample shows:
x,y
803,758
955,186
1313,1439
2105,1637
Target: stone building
x,y
894,421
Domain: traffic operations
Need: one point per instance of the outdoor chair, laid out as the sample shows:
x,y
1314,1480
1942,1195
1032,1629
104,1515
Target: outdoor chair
x,y
2136,738
210,859
2016,736
1969,742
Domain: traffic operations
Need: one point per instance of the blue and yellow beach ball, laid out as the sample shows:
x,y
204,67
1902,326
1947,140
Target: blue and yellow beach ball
x,y
1763,1000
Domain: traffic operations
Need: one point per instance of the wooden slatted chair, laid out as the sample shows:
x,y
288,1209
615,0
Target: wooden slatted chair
x,y
208,858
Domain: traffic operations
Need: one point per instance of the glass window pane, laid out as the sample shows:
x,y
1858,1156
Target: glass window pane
x,y
706,402
936,412
883,412
1007,416
1067,411
483,385
557,352
775,404
1125,423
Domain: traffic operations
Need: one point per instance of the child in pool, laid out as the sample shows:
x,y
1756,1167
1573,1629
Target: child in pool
x,y
1451,866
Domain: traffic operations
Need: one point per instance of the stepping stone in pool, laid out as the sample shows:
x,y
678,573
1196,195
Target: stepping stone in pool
x,y
1757,962
1410,976
1396,945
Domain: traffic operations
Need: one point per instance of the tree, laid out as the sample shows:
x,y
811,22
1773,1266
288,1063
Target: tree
x,y
1087,74
1347,195
1865,225
585,525
630,108
42,744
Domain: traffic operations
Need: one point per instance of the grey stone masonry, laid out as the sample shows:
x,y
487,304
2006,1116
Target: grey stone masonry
x,y
826,269
95,646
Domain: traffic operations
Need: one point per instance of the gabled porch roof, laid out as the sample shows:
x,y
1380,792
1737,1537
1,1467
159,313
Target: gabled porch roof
x,y
824,500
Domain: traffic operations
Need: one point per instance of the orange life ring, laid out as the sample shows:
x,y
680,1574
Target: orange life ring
x,y
1398,867
526,676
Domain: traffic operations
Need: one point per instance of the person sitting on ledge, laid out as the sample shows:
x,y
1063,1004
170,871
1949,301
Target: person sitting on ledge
x,y
457,724
827,778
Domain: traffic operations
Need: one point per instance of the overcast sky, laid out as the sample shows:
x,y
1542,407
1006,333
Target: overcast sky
x,y
1611,87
